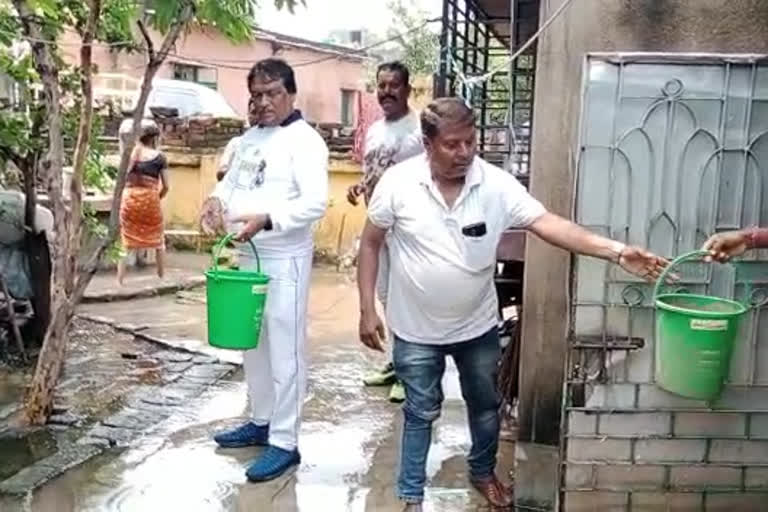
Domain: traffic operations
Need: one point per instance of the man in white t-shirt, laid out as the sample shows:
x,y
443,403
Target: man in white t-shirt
x,y
389,141
276,188
443,215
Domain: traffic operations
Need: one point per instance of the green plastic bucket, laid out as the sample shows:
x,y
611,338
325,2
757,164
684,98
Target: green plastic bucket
x,y
695,335
236,300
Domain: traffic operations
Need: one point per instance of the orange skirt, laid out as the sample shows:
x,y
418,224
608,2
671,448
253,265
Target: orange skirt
x,y
141,217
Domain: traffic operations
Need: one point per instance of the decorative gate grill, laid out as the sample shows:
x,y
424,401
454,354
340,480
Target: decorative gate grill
x,y
673,148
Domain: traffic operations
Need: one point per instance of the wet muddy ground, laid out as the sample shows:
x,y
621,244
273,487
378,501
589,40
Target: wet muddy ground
x,y
349,440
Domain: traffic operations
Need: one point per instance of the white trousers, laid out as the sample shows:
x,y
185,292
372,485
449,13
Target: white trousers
x,y
276,371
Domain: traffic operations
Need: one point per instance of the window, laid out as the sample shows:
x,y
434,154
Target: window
x,y
348,107
197,74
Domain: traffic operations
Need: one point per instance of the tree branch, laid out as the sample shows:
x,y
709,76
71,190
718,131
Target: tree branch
x,y
185,16
147,39
83,138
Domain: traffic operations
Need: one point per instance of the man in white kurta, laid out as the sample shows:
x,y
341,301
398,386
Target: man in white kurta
x,y
274,190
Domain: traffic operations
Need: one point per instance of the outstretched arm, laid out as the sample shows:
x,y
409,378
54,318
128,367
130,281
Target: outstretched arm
x,y
727,245
572,237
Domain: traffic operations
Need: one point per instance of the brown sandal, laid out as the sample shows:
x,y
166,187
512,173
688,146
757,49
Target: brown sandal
x,y
494,491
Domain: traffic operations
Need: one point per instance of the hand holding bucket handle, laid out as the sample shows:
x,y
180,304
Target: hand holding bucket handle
x,y
701,254
220,246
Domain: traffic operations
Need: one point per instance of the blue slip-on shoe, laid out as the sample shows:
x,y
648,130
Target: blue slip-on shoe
x,y
248,434
272,463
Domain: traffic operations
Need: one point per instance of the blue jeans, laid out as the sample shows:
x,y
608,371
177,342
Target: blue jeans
x,y
421,368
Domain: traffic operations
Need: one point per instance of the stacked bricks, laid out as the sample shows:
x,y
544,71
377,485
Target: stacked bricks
x,y
203,134
637,448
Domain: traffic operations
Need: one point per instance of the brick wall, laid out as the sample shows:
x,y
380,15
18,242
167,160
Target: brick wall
x,y
634,447
202,134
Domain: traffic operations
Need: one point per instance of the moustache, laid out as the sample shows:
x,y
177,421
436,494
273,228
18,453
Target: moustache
x,y
388,97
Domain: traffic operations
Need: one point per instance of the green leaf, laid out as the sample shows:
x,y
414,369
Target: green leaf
x,y
47,8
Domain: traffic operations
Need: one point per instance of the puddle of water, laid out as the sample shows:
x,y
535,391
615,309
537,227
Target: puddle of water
x,y
12,383
23,449
192,478
349,448
311,498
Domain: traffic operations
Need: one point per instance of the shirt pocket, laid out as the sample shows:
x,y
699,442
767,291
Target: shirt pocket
x,y
479,251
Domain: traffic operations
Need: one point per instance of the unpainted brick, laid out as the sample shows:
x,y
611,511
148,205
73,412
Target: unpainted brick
x,y
599,449
629,477
667,502
711,424
635,424
754,397
756,479
582,423
758,426
596,501
651,396
670,450
739,451
741,502
613,395
579,476
705,477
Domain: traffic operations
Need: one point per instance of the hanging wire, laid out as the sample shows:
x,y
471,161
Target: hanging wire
x,y
226,63
522,49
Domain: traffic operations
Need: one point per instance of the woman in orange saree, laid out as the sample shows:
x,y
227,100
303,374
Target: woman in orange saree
x,y
141,215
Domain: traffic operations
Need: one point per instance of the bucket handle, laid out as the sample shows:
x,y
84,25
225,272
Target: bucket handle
x,y
220,246
698,254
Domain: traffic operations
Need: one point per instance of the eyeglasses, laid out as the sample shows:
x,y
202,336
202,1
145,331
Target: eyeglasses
x,y
270,95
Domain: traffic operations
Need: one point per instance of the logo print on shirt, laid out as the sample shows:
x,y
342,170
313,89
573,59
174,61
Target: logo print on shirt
x,y
377,161
258,178
251,167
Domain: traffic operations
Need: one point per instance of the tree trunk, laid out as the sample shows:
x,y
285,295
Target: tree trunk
x,y
39,403
40,395
30,192
83,143
68,292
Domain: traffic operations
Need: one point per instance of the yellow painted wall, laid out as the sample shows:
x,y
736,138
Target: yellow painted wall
x,y
192,178
335,234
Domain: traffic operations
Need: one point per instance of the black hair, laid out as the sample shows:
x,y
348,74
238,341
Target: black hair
x,y
148,134
274,69
396,66
452,110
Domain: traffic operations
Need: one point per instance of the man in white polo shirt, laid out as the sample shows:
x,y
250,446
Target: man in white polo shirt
x,y
445,213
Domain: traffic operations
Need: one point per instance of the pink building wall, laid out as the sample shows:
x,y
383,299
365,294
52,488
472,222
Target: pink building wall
x,y
319,85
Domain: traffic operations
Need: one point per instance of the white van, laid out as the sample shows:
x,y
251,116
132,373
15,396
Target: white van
x,y
189,98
